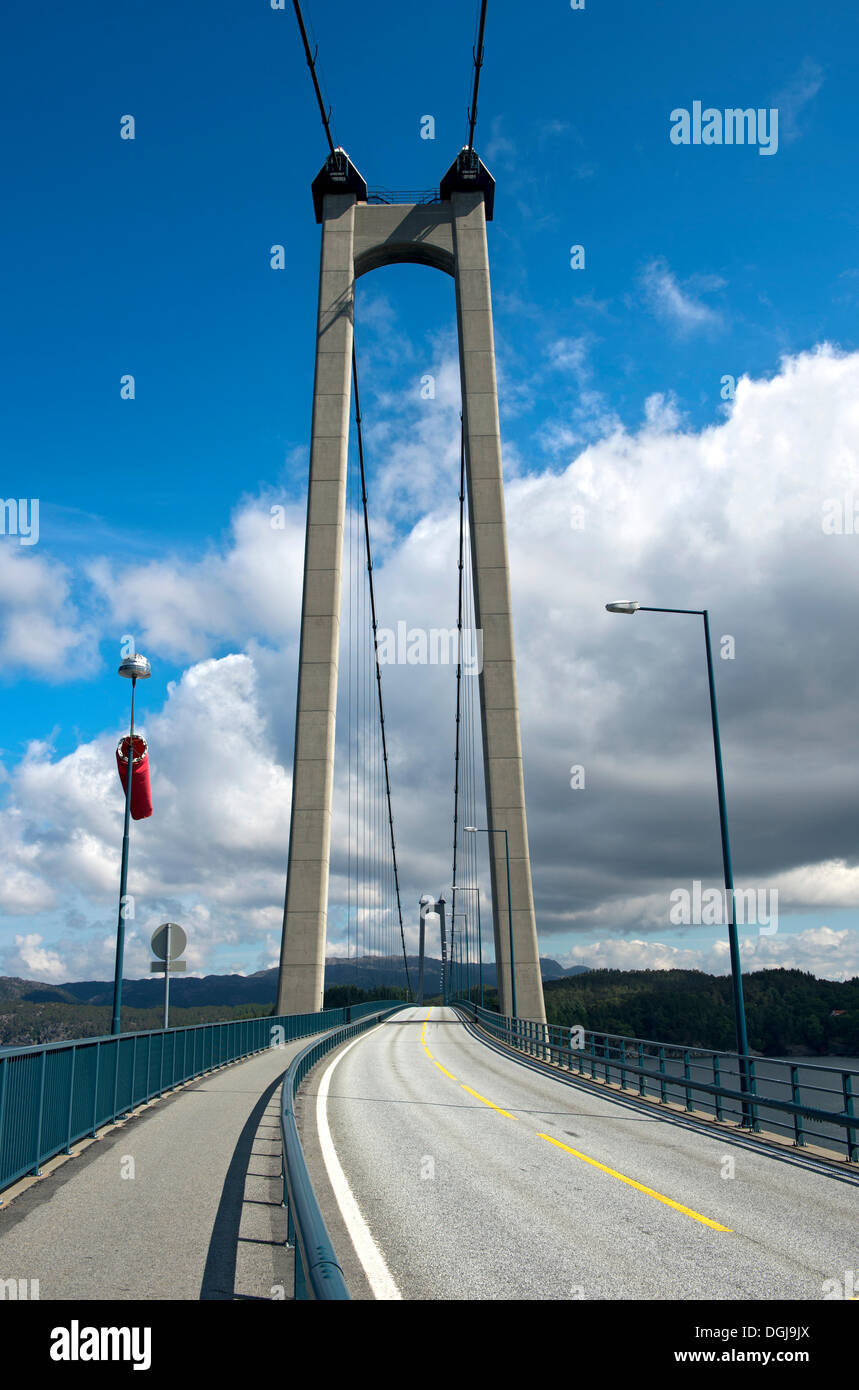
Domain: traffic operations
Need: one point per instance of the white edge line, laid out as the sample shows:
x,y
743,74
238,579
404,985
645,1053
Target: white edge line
x,y
368,1252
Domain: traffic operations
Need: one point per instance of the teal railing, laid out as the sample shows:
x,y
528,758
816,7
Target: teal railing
x,y
55,1094
804,1101
318,1274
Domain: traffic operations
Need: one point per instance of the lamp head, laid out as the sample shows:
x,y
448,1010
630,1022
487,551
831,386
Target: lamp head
x,y
135,667
625,605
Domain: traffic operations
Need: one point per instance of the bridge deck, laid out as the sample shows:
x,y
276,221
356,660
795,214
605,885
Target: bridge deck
x,y
480,1178
471,1177
200,1219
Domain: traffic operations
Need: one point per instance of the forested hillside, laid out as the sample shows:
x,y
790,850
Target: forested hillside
x,y
787,1011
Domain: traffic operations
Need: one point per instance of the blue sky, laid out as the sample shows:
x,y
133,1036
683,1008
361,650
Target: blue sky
x,y
152,257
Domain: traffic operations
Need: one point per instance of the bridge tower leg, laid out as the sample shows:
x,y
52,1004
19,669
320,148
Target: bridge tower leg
x,y
302,954
357,237
499,702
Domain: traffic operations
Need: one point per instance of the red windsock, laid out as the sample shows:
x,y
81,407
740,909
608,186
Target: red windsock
x,y
141,795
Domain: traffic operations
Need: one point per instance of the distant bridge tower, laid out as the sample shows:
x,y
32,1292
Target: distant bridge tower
x,y
357,236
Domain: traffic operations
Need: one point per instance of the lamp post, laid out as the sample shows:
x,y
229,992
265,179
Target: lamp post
x,y
460,889
134,667
440,909
491,830
427,904
629,606
452,958
453,984
462,960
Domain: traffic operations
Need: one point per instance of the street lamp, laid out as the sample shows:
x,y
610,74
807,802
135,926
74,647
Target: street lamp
x,y
491,830
134,667
453,944
440,909
466,959
451,975
630,606
458,889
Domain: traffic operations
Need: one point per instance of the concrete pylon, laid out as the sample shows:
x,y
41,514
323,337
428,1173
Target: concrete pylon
x,y
357,237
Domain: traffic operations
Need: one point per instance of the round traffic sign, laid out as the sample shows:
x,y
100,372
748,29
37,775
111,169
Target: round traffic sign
x,y
178,941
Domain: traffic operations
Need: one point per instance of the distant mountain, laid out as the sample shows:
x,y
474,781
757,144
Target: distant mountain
x,y
551,970
11,987
184,993
369,972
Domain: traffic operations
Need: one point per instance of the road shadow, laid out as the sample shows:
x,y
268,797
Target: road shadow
x,y
219,1275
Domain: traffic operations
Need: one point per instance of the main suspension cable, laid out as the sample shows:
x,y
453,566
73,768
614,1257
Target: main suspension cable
x,y
478,64
378,665
311,63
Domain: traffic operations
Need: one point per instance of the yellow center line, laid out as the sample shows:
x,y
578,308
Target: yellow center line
x,y
427,1051
487,1102
447,1073
621,1177
687,1211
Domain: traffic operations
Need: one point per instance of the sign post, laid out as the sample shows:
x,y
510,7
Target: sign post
x,y
168,942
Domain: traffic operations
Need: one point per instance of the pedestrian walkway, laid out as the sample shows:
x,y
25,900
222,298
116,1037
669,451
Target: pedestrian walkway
x,y
181,1201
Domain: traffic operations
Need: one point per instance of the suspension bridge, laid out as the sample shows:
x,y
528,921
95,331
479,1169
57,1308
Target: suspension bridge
x,y
394,1150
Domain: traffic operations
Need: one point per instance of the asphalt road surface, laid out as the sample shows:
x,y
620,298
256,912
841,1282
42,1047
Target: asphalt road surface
x,y
449,1171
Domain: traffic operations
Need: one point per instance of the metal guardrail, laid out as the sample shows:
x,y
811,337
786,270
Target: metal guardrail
x,y
420,196
53,1094
707,1083
318,1274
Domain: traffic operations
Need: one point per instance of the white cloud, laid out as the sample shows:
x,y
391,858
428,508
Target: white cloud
x,y
30,960
570,354
588,415
830,955
499,149
675,304
41,630
832,883
661,412
182,607
795,96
